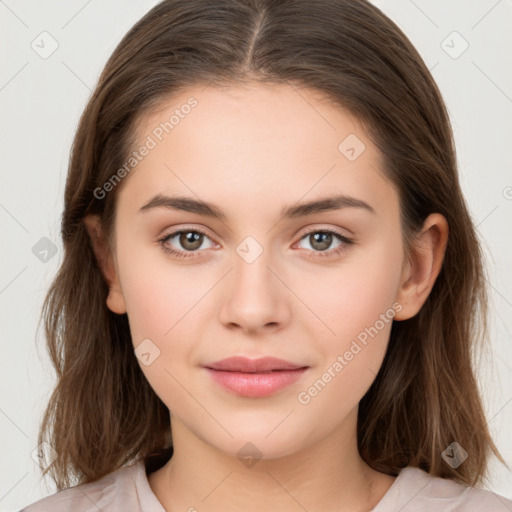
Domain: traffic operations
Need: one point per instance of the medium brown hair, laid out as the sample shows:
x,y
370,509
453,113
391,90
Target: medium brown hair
x,y
103,413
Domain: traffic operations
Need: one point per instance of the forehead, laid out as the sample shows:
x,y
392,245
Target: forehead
x,y
268,141
277,113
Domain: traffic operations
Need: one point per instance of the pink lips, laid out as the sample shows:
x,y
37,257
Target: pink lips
x,y
254,377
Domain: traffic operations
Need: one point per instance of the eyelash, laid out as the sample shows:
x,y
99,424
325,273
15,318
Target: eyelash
x,y
314,254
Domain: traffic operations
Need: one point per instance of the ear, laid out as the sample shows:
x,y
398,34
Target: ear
x,y
421,268
115,298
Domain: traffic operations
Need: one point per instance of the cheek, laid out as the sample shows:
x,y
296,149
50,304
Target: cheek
x,y
161,297
351,360
164,321
166,307
352,298
358,306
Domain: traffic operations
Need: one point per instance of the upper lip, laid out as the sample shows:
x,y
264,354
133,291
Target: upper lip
x,y
247,365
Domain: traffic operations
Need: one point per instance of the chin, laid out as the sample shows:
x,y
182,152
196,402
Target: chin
x,y
253,444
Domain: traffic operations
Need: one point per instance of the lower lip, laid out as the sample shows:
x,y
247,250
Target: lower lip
x,y
256,384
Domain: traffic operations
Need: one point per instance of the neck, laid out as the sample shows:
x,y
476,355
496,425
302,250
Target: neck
x,y
328,475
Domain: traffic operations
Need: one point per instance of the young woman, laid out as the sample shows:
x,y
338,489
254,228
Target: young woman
x,y
272,288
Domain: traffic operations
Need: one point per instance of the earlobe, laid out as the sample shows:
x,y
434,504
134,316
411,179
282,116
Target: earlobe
x,y
115,299
421,269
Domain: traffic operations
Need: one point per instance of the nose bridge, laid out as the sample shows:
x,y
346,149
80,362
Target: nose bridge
x,y
252,263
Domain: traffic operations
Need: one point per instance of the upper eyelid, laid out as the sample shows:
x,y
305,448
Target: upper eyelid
x,y
337,231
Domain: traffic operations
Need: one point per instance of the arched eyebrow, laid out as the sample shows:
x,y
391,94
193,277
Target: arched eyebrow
x,y
200,207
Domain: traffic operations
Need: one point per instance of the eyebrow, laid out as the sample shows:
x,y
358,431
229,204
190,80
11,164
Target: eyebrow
x,y
188,204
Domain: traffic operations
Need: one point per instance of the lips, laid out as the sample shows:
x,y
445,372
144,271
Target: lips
x,y
246,365
254,378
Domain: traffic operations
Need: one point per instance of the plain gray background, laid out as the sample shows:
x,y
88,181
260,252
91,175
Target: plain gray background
x,y
466,44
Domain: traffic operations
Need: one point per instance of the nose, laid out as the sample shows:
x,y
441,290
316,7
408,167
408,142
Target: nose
x,y
253,295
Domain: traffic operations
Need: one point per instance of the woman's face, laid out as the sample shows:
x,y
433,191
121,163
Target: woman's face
x,y
262,277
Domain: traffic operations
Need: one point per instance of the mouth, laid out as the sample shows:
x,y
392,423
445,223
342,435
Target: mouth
x,y
247,365
255,377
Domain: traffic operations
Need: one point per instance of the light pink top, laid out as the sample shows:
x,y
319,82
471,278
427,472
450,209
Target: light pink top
x,y
128,490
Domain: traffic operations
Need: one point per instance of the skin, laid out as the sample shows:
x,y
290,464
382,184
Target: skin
x,y
251,151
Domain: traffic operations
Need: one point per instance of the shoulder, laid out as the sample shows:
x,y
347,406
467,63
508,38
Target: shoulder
x,y
416,490
117,491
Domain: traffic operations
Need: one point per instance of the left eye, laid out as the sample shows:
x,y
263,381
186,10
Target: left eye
x,y
321,240
192,239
